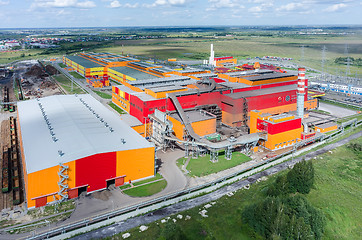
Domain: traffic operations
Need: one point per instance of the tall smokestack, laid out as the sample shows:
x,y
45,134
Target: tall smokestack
x,y
301,92
212,56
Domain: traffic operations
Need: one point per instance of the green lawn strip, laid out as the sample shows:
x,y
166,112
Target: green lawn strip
x,y
115,107
147,189
157,177
103,95
76,75
66,84
320,111
358,116
202,166
337,194
62,65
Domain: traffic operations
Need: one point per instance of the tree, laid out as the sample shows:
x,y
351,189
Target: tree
x,y
301,177
280,186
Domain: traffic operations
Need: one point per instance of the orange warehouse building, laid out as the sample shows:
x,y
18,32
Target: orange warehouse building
x,y
72,144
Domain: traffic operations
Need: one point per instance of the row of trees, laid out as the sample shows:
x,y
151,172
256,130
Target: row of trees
x,y
354,61
285,213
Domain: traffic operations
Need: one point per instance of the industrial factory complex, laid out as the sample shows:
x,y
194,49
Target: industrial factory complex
x,y
71,144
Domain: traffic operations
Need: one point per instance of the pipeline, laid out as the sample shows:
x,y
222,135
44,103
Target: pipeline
x,y
250,138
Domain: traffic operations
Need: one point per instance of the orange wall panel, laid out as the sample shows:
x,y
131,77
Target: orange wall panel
x,y
136,163
232,120
178,128
283,139
328,129
206,127
45,182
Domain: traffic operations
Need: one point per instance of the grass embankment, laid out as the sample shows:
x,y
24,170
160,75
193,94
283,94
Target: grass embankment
x,y
202,166
320,111
76,75
48,210
337,194
115,107
103,95
341,105
62,65
66,84
146,187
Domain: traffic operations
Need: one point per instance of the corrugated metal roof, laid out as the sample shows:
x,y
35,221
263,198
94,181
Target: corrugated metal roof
x,y
69,130
263,91
84,62
138,75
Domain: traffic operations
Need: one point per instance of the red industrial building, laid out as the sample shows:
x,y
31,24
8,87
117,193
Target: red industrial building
x,y
233,99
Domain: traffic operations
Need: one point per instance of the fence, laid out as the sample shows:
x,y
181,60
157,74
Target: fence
x,y
109,215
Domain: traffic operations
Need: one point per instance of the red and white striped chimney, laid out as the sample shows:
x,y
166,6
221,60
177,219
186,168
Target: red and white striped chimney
x,y
301,92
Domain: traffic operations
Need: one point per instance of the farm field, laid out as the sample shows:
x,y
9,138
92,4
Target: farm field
x,y
249,47
241,45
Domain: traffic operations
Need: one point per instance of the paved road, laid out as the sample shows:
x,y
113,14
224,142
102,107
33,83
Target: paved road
x,y
188,204
336,110
90,205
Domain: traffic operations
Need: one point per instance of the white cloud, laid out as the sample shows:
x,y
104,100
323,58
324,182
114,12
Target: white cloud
x,y
2,3
62,12
115,4
291,7
266,6
217,4
64,3
167,3
128,5
335,7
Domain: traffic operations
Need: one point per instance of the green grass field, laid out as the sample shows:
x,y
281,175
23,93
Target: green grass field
x,y
62,65
7,57
66,84
146,190
103,95
337,193
320,111
202,166
76,75
157,177
115,107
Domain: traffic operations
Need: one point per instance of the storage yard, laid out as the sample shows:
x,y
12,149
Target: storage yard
x,y
56,147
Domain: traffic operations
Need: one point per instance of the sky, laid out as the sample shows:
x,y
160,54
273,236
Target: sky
x,y
123,13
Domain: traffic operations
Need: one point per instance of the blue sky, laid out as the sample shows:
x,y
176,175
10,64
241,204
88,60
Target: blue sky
x,y
112,13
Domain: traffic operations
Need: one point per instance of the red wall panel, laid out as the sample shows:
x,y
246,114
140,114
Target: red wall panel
x,y
284,126
73,193
259,125
39,202
119,182
95,169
